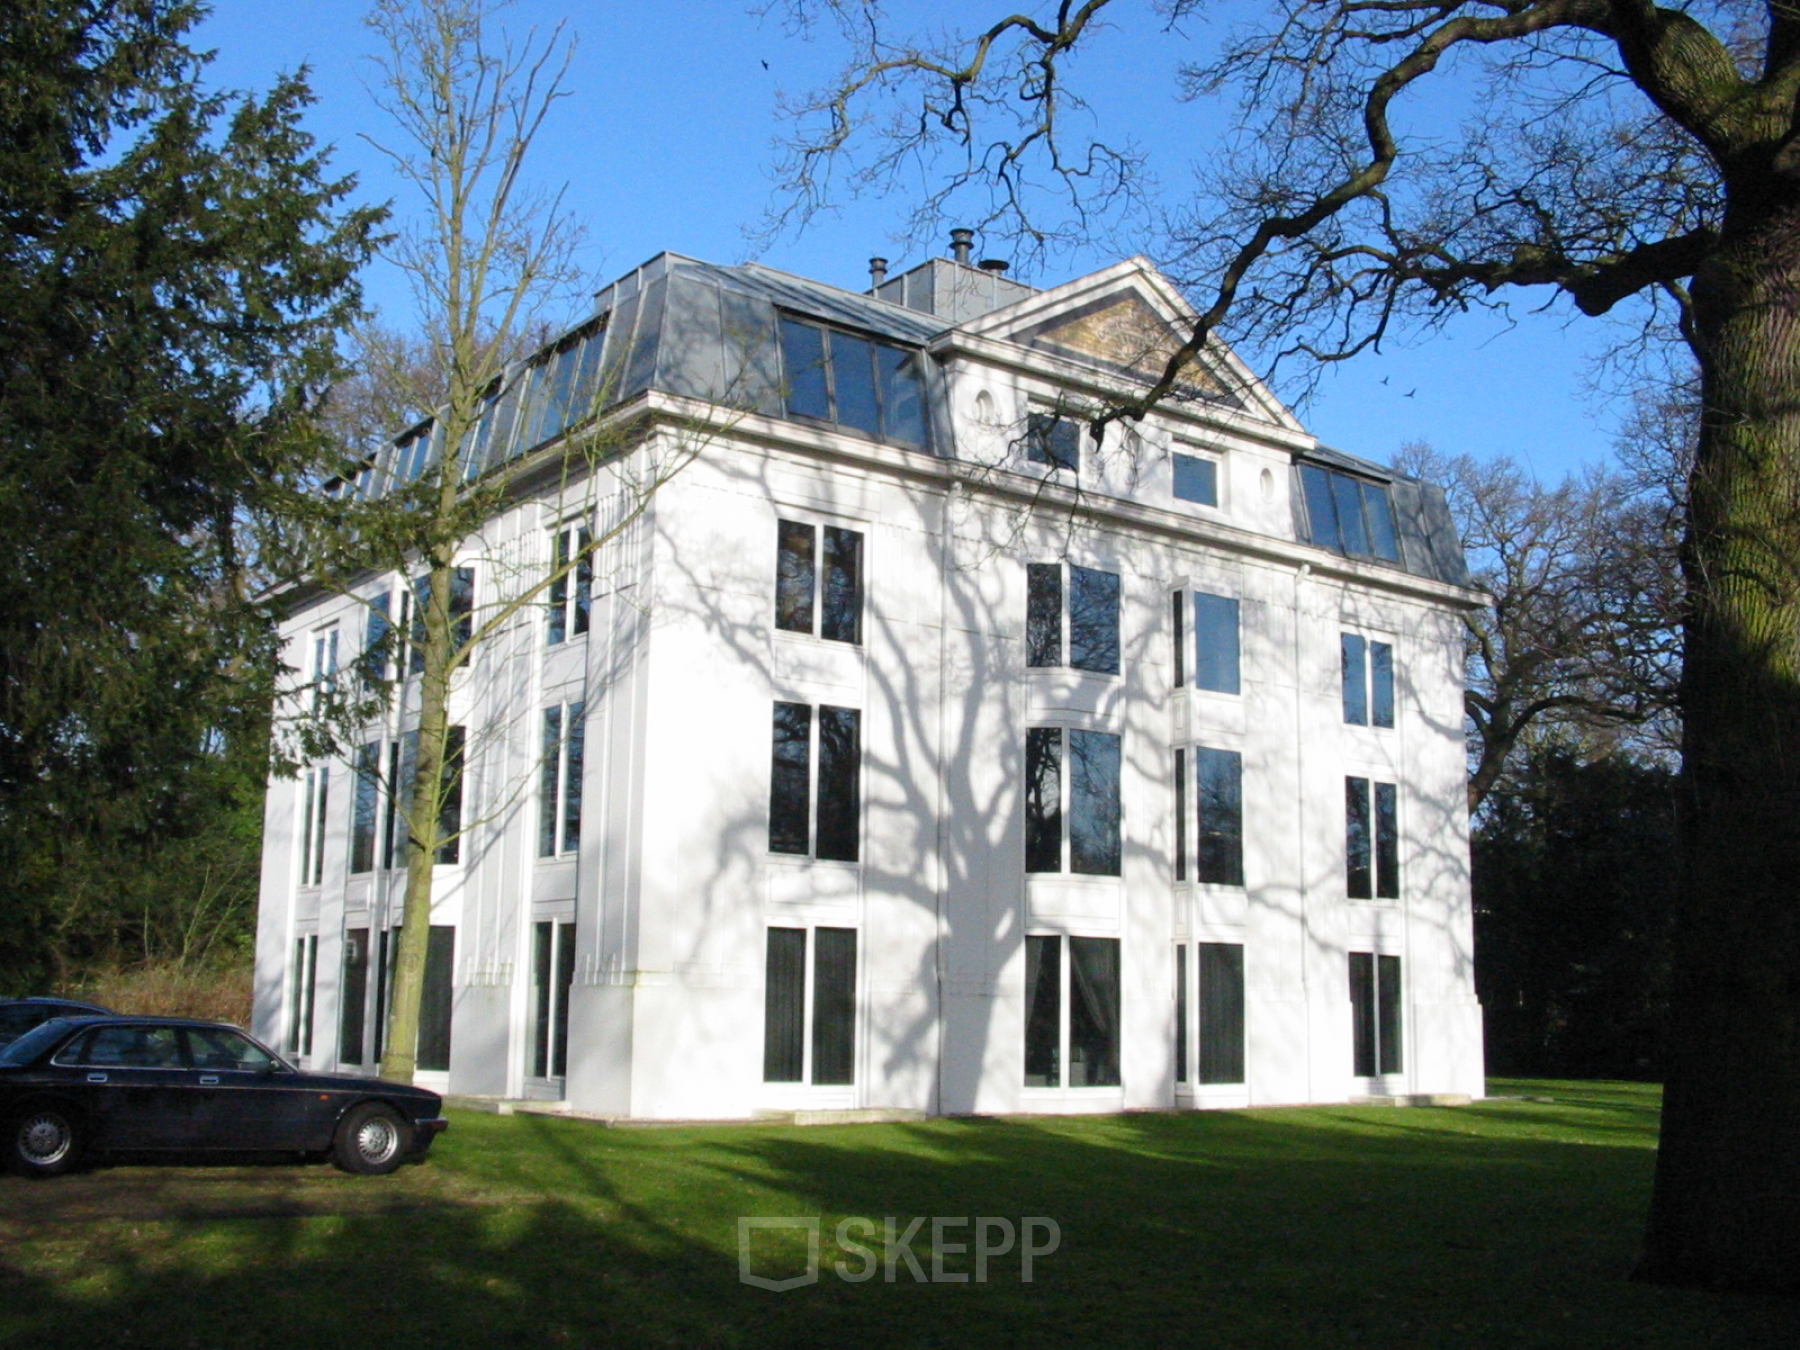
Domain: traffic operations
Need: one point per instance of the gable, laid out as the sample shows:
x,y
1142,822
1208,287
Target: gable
x,y
1122,330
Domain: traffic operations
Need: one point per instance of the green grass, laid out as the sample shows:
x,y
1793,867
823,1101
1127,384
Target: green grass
x,y
1512,1223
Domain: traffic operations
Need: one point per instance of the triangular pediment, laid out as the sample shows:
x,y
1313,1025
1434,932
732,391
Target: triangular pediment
x,y
1127,321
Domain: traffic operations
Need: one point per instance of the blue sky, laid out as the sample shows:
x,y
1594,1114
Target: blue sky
x,y
666,142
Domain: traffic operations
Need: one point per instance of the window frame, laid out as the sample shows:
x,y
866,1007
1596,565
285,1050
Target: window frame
x,y
833,552
1325,490
1377,988
1050,637
1372,869
1061,815
1211,867
568,606
833,825
552,980
562,761
838,1033
1213,463
883,386
1044,440
303,989
1196,619
1370,683
1064,1013
314,806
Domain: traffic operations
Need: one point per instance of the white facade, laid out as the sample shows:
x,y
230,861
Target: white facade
x,y
675,891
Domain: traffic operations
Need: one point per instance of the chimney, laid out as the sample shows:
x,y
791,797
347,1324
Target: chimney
x,y
962,243
877,272
997,266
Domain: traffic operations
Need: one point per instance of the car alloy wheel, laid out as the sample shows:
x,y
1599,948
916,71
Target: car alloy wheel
x,y
371,1141
44,1142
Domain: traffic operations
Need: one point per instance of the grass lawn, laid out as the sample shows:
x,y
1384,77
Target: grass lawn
x,y
1512,1223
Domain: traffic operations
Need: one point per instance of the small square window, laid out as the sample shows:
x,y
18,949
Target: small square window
x,y
1053,440
1196,479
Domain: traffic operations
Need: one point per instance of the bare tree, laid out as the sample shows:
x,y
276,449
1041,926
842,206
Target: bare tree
x,y
1618,156
1584,631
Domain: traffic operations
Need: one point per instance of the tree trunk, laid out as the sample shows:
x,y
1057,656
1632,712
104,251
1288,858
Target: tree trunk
x,y
1726,1207
399,1059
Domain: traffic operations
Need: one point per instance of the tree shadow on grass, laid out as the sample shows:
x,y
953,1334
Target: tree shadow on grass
x,y
1307,1228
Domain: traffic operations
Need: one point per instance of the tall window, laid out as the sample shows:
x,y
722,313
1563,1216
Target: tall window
x,y
324,665
1371,839
462,612
816,813
365,807
436,997
1375,1014
559,780
1181,1013
1090,618
854,382
809,1008
1196,478
1053,440
1368,668
1219,795
571,586
316,788
1181,815
1071,1012
819,590
377,640
303,986
552,977
1221,1012
1087,797
1217,643
354,996
405,759
1351,515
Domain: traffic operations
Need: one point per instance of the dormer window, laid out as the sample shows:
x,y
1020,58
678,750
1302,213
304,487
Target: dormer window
x,y
855,383
1352,515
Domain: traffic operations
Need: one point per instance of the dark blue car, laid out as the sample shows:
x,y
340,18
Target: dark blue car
x,y
87,1087
20,1015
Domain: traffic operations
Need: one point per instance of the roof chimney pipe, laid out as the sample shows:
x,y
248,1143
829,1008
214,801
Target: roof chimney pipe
x,y
962,244
997,266
877,272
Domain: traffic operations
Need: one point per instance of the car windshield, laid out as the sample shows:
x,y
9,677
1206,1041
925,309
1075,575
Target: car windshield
x,y
34,1042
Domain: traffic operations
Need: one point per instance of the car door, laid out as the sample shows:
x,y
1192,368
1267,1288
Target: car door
x,y
248,1098
133,1081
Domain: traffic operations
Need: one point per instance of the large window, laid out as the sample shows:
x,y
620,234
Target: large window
x,y
1053,440
854,382
1181,1013
571,584
1089,618
1351,515
1368,668
1216,666
1086,797
316,788
1071,1012
378,640
809,1008
436,998
1219,799
1371,839
559,779
1375,1013
819,581
817,813
552,977
1221,1012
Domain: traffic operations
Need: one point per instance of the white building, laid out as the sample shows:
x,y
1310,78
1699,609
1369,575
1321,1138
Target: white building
x,y
909,750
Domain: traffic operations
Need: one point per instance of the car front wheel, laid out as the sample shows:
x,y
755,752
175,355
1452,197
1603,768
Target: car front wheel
x,y
372,1141
43,1141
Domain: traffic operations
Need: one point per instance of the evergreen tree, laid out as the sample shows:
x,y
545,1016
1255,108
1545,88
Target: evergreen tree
x,y
174,265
